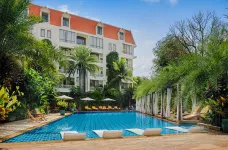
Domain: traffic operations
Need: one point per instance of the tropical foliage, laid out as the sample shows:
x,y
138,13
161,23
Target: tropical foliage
x,y
82,60
8,101
25,62
193,55
122,73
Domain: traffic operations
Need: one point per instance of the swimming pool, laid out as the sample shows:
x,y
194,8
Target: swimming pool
x,y
86,122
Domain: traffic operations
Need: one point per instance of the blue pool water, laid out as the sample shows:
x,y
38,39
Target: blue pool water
x,y
86,122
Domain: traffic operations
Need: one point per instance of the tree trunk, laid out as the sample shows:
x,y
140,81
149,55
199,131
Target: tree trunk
x,y
84,79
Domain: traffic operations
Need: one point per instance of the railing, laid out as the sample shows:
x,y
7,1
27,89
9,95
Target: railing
x,y
97,75
128,53
66,86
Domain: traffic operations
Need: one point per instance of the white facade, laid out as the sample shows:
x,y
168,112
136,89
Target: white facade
x,y
45,30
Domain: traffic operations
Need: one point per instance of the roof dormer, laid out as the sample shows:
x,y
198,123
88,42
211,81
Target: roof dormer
x,y
100,29
66,19
121,34
45,14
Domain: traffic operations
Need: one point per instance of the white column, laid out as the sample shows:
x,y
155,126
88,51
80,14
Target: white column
x,y
194,101
179,104
156,104
168,99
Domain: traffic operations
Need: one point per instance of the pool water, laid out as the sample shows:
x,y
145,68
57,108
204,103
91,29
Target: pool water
x,y
86,122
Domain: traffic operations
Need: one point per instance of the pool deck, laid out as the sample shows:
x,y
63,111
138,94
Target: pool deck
x,y
206,141
11,129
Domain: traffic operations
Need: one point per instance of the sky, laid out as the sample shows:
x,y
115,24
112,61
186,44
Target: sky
x,y
149,20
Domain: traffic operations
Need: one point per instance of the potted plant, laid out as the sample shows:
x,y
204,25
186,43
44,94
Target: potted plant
x,y
72,106
63,105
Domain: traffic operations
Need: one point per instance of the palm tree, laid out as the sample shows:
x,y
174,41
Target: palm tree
x,y
15,27
123,73
82,60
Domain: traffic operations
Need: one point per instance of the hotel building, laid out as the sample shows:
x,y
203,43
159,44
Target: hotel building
x,y
66,31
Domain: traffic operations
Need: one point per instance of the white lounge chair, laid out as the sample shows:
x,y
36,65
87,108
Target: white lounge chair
x,y
195,129
112,134
146,132
99,132
72,135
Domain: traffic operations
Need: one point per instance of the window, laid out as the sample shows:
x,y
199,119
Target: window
x,y
42,32
68,81
66,36
110,46
81,40
45,17
121,35
66,51
114,47
49,34
95,83
99,30
127,49
96,42
66,22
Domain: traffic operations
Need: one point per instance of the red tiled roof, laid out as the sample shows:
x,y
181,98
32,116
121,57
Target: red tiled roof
x,y
82,24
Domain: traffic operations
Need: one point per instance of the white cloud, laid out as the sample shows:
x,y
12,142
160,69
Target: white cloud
x,y
173,2
64,8
151,1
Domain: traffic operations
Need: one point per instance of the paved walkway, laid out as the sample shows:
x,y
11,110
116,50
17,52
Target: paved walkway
x,y
204,141
14,127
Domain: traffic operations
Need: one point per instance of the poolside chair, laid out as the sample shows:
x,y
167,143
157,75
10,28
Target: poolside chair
x,y
112,134
146,132
193,114
39,114
104,108
198,115
204,111
116,108
87,108
109,134
194,129
100,107
32,118
94,108
72,136
110,108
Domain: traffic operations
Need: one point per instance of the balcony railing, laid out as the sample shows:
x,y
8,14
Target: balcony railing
x,y
97,75
126,52
66,86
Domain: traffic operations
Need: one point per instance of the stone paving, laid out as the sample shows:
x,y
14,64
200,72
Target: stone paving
x,y
205,141
15,127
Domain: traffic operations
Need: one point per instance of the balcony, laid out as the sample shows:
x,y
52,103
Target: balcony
x,y
66,86
97,77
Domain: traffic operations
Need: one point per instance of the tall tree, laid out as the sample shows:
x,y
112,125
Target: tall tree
x,y
122,73
110,58
15,27
82,60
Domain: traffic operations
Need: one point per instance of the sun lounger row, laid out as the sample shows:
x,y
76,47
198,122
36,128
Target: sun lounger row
x,y
102,108
112,134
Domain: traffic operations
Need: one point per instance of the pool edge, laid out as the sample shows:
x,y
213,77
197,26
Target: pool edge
x,y
4,138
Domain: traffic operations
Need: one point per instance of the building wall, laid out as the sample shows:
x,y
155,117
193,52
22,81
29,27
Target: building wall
x,y
107,37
